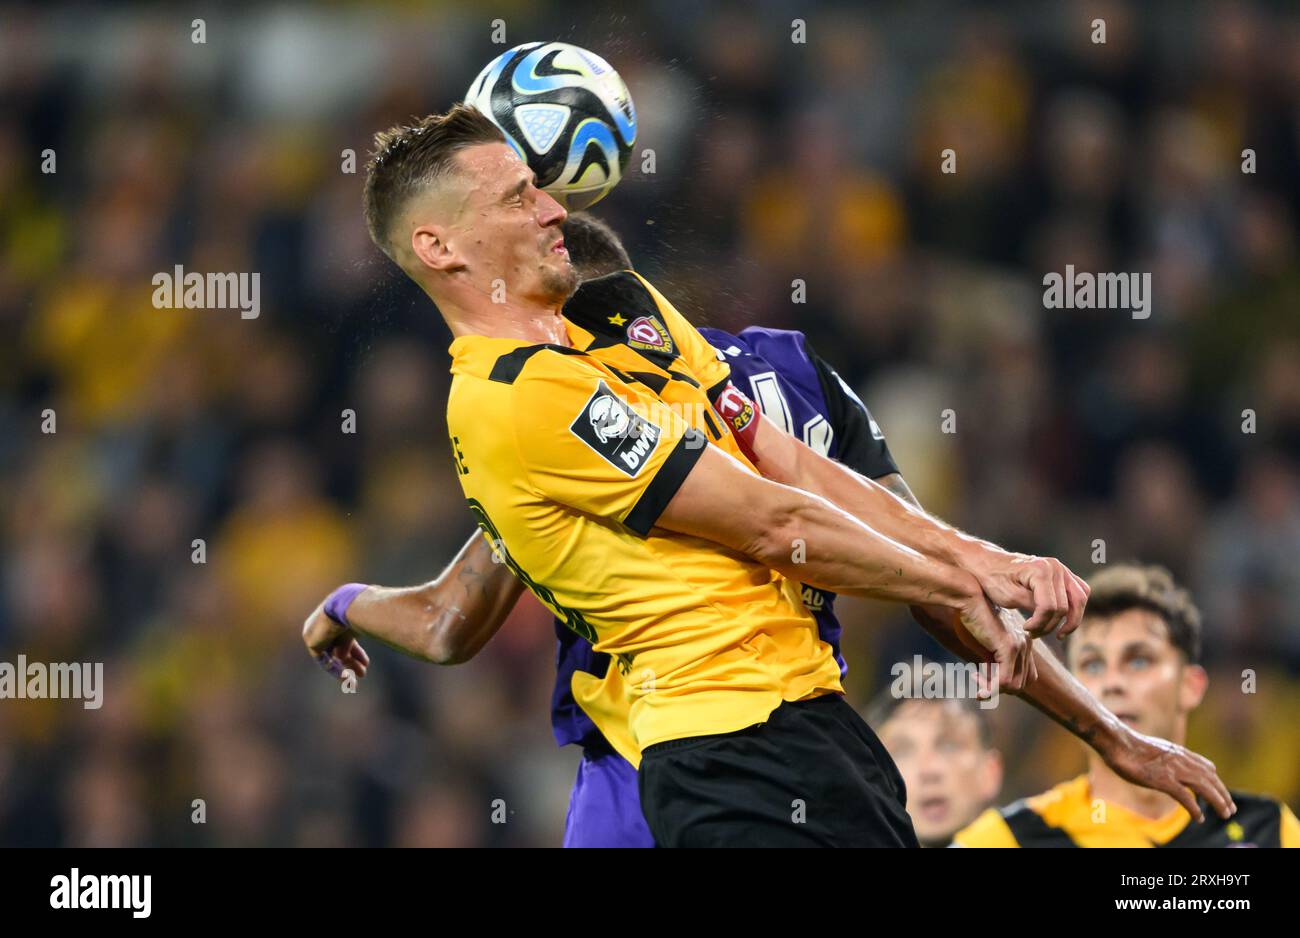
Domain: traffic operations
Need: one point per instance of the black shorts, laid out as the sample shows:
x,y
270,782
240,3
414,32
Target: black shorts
x,y
813,775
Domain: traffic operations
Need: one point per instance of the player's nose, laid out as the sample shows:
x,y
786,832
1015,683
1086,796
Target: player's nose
x,y
1112,685
549,211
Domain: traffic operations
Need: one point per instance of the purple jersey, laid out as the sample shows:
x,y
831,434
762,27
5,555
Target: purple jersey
x,y
800,393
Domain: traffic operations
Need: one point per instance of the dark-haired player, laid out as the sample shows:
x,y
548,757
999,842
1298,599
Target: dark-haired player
x,y
1138,652
448,620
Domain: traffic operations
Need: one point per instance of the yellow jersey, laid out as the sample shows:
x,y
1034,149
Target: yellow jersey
x,y
567,456
1066,816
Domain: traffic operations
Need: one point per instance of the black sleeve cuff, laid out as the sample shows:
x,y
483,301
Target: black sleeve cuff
x,y
713,392
856,445
666,482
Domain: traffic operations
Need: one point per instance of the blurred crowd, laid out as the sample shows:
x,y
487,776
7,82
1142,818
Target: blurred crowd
x,y
1086,434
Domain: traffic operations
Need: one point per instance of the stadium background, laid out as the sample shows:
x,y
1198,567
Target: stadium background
x,y
775,161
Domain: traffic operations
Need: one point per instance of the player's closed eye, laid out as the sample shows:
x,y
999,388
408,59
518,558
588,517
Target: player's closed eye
x,y
516,195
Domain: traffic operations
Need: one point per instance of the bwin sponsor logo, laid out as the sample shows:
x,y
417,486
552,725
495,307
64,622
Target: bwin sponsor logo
x,y
633,456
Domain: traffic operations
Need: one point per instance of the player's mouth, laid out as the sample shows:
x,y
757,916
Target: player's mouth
x,y
559,248
934,808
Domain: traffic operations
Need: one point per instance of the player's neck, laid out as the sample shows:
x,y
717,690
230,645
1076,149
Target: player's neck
x,y
536,324
1103,783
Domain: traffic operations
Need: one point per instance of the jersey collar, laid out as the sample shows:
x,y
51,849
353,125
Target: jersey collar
x,y
476,354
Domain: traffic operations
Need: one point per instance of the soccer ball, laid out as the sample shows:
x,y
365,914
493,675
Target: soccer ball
x,y
565,112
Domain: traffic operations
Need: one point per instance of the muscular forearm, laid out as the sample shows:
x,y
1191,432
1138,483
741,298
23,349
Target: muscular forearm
x,y
784,459
448,620
808,539
834,551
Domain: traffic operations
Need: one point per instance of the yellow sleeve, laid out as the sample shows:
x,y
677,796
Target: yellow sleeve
x,y
987,830
592,442
1290,828
704,361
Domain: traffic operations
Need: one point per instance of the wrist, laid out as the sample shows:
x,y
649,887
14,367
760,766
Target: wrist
x,y
337,603
1108,734
955,588
979,557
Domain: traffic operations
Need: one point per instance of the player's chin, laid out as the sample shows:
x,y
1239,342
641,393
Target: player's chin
x,y
559,277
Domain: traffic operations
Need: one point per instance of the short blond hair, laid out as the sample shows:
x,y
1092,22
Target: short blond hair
x,y
1153,588
409,157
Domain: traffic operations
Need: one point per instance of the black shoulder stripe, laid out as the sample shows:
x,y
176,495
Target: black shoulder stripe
x,y
654,382
713,392
1030,830
678,376
507,368
666,482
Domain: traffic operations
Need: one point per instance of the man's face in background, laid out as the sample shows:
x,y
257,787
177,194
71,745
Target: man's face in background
x,y
951,775
1128,663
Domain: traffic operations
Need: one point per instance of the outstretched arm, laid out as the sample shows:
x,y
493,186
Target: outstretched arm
x,y
446,621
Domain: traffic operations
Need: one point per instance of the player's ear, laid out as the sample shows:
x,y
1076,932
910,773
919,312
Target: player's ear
x,y
430,245
1195,683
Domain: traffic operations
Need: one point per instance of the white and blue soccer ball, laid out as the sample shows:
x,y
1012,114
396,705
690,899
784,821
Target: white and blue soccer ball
x,y
567,114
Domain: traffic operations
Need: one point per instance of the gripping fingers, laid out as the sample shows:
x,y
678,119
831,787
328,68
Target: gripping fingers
x,y
1078,592
1049,607
1015,669
1212,788
1183,795
331,664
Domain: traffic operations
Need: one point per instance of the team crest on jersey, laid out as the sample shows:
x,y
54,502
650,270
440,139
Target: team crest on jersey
x,y
735,407
648,334
609,426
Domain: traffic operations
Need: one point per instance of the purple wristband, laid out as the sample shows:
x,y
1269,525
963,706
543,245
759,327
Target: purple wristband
x,y
336,605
